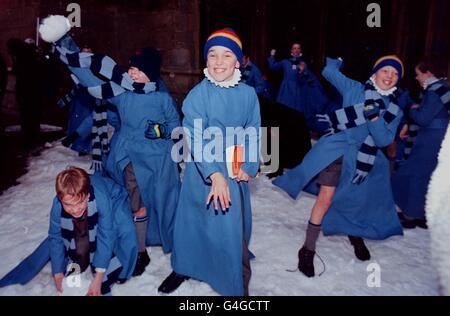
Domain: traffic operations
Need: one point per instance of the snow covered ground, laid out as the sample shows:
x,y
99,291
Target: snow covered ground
x,y
402,263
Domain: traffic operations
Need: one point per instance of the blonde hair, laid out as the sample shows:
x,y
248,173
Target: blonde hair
x,y
72,181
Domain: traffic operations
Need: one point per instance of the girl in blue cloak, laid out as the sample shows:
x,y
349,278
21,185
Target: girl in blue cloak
x,y
211,245
427,129
90,226
140,156
347,168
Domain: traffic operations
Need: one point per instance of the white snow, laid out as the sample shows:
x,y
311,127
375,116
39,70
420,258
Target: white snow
x,y
402,263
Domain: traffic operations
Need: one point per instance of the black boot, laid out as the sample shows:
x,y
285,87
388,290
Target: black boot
x,y
422,223
142,261
306,261
172,282
361,251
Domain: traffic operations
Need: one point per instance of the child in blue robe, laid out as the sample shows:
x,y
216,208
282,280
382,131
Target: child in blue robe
x,y
213,221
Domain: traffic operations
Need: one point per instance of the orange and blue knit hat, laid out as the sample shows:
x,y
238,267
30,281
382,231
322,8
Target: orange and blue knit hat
x,y
390,60
225,37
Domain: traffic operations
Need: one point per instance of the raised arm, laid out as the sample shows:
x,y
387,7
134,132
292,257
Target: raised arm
x,y
332,73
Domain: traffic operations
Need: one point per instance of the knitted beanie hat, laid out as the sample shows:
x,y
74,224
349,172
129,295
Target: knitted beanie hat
x,y
225,37
390,60
148,60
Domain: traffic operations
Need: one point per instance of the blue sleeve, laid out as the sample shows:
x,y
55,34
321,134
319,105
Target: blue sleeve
x,y
383,133
105,231
195,109
342,83
85,127
274,65
430,106
251,164
57,248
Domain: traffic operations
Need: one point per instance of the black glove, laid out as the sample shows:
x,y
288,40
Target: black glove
x,y
66,142
371,112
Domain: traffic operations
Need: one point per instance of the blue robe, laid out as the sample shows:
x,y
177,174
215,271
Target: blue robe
x,y
207,246
300,91
114,232
156,173
254,78
366,210
410,181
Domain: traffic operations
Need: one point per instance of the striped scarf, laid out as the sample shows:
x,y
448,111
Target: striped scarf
x,y
443,91
353,116
118,80
68,235
100,141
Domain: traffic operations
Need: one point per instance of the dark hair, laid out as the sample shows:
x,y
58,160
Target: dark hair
x,y
437,65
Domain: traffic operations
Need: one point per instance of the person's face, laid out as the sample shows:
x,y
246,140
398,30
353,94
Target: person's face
x,y
421,77
221,63
296,50
137,75
86,50
75,205
386,77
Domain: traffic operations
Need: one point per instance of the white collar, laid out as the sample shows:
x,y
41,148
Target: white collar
x,y
224,84
381,91
428,82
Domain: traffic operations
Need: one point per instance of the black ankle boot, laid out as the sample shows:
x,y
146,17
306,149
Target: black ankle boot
x,y
172,282
361,251
306,261
142,261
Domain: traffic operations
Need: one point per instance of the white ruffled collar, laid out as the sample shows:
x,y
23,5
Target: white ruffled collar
x,y
381,91
224,84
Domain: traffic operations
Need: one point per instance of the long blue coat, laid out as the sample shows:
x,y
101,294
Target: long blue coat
x,y
207,246
366,210
156,173
410,182
300,91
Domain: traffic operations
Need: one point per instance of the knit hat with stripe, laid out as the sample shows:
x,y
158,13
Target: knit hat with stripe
x,y
225,37
390,60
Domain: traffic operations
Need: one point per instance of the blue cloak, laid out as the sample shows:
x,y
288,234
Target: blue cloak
x,y
366,210
115,234
156,173
410,181
207,246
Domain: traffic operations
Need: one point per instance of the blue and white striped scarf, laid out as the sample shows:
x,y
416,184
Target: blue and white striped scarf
x,y
68,235
353,116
